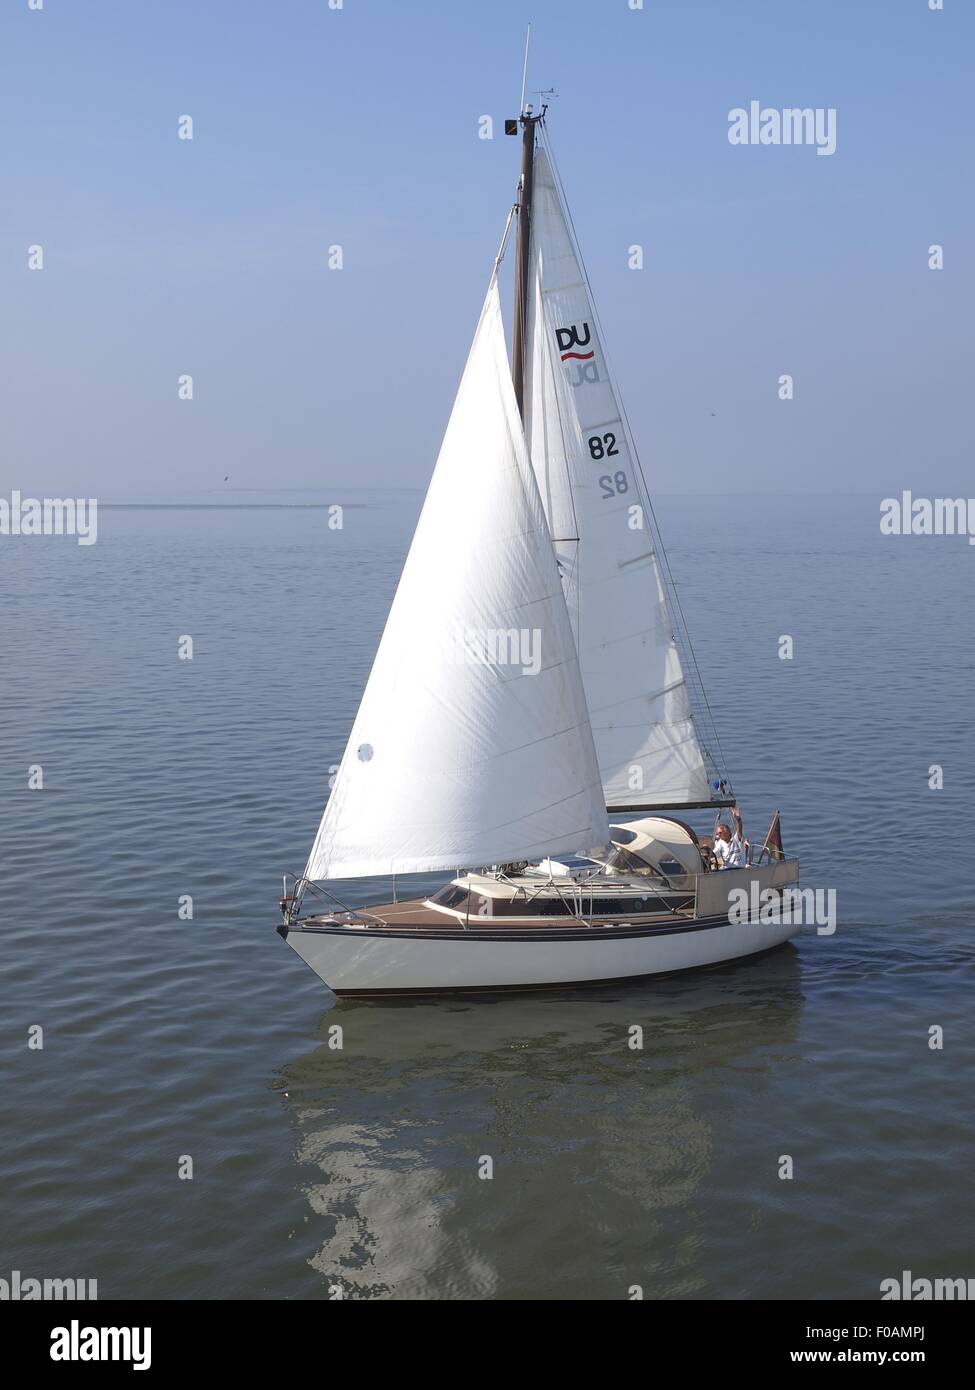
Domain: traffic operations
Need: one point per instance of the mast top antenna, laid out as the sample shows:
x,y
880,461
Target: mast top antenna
x,y
524,72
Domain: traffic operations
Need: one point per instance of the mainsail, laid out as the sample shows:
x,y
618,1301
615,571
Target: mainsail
x,y
472,744
599,517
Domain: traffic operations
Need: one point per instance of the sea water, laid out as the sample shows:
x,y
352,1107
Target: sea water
x,y
186,1111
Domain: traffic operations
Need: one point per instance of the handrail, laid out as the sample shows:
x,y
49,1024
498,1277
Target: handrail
x,y
303,884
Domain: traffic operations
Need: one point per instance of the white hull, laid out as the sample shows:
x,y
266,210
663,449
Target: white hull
x,y
357,960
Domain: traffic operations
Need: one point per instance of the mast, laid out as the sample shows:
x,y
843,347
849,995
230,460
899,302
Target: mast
x,y
528,123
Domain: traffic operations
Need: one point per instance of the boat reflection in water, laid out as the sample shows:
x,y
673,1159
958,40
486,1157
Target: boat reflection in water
x,y
612,1166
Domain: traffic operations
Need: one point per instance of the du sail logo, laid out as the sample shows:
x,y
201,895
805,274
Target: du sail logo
x,y
570,340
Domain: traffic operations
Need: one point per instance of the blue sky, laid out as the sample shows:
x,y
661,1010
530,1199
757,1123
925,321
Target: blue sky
x,y
359,127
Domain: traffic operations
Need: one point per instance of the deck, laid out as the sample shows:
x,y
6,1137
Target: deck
x,y
413,915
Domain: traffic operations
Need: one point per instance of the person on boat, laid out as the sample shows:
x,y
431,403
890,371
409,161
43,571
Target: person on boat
x,y
731,850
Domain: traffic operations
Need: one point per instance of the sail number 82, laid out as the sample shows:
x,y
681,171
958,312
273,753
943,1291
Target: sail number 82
x,y
612,486
602,446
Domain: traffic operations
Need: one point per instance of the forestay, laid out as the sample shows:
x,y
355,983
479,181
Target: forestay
x,y
593,494
472,744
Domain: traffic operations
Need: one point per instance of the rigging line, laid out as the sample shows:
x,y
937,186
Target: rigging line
x,y
632,443
531,311
521,289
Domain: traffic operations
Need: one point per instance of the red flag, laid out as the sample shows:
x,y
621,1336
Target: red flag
x,y
773,840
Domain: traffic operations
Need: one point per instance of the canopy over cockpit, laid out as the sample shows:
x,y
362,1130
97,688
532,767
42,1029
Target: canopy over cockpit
x,y
655,844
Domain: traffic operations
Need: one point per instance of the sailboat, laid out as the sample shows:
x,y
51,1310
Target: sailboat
x,y
527,725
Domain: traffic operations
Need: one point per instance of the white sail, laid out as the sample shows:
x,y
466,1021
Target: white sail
x,y
472,744
594,499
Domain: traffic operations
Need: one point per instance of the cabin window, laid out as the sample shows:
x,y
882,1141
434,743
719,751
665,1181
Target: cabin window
x,y
543,905
540,907
451,896
620,836
670,867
